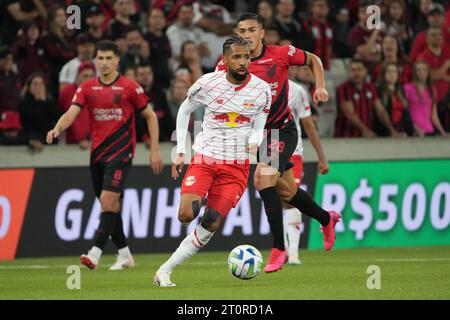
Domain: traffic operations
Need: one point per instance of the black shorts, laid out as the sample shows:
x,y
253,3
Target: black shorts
x,y
110,176
277,151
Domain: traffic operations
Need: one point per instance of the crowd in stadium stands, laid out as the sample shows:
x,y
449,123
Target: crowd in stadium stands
x,y
396,81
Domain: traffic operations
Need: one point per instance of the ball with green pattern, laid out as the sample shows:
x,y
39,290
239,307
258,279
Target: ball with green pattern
x,y
245,262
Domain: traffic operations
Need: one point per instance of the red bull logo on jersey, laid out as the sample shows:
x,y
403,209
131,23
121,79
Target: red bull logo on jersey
x,y
248,105
232,119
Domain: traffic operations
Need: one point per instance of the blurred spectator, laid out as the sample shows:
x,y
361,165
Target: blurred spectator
x,y
58,47
391,51
78,132
358,101
425,7
446,119
319,28
183,30
124,9
85,52
365,42
170,7
9,82
105,8
137,48
157,97
175,96
422,106
272,37
130,72
212,17
189,68
289,28
437,56
266,13
94,23
15,13
391,94
436,19
341,29
159,46
29,52
397,24
11,129
38,112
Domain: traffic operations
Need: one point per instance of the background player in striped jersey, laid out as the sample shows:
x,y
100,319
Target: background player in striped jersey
x,y
301,111
273,177
236,107
112,101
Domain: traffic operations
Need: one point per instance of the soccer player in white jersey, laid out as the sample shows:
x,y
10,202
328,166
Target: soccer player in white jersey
x,y
236,107
299,102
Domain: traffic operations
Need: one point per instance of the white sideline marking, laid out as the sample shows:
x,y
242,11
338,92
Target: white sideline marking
x,y
25,267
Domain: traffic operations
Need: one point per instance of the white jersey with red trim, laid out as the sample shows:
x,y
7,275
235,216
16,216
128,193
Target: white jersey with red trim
x,y
301,108
230,111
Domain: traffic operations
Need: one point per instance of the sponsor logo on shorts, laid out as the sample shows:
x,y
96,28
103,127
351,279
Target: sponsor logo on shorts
x,y
190,181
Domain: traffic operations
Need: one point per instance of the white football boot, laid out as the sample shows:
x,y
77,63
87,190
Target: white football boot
x,y
89,261
162,279
293,259
122,262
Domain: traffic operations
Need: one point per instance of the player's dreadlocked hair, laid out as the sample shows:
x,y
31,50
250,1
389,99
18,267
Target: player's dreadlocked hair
x,y
236,40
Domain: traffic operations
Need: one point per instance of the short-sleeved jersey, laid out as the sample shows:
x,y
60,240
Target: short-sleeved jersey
x,y
301,108
272,66
111,109
230,111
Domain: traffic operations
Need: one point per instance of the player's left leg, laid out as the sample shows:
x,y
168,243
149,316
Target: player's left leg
x,y
301,200
194,241
293,217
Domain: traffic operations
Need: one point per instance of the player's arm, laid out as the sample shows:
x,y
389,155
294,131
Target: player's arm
x,y
313,135
257,134
384,118
63,123
183,116
152,124
349,111
195,99
314,62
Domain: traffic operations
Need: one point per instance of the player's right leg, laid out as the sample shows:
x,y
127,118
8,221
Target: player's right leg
x,y
301,200
110,204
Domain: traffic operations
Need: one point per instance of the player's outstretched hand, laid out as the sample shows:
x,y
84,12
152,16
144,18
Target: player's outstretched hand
x,y
156,162
52,134
323,166
177,166
320,95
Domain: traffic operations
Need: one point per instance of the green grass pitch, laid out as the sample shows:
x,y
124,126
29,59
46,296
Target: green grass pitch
x,y
406,273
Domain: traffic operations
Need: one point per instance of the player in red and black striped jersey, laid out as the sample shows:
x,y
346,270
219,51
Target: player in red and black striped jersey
x,y
112,101
273,178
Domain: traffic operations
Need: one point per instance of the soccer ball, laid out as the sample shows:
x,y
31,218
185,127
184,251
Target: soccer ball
x,y
245,262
